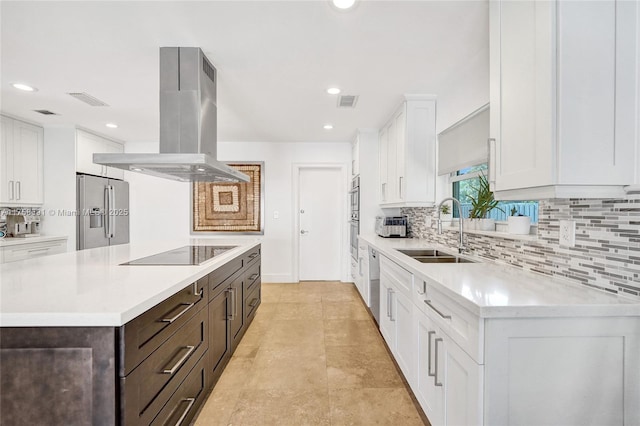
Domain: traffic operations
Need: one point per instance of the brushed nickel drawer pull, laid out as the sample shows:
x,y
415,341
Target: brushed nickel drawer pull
x,y
191,401
429,334
435,379
254,276
253,255
253,303
182,312
37,250
195,290
429,304
180,361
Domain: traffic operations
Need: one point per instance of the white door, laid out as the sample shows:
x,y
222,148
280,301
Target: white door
x,y
321,219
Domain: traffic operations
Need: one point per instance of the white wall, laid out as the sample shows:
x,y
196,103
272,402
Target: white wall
x,y
60,183
161,209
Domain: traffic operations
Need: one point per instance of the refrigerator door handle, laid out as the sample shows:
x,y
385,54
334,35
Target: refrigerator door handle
x,y
109,207
111,212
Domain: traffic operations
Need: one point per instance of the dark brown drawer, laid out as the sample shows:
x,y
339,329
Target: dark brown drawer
x,y
222,276
146,390
145,333
253,300
184,403
252,255
252,276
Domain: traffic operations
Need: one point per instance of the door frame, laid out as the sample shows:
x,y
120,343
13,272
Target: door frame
x,y
295,180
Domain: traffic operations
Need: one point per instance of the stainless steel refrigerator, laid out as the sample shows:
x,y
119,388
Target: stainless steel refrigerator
x,y
103,212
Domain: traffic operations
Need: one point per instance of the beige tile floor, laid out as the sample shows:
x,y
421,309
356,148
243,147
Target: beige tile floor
x,y
312,356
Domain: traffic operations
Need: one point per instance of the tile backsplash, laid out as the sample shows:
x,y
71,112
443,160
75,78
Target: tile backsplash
x,y
606,254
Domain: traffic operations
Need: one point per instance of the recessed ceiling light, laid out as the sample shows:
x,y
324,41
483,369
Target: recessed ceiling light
x,y
343,4
333,91
112,125
136,169
25,87
328,126
200,169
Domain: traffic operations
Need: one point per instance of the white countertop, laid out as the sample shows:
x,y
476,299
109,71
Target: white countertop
x,y
89,288
11,241
493,290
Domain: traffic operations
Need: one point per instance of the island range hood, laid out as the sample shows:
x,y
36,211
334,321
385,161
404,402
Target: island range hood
x,y
188,124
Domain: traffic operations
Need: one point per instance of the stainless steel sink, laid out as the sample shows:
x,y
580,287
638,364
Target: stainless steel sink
x,y
434,256
423,252
442,259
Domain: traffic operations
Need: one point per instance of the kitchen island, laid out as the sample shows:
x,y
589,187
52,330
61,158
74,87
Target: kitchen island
x,y
87,340
486,343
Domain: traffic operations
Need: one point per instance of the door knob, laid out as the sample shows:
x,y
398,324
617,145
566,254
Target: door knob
x,y
302,232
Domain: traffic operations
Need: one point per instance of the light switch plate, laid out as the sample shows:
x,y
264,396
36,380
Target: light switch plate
x,y
568,233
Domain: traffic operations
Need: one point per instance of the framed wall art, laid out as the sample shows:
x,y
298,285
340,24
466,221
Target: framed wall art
x,y
230,208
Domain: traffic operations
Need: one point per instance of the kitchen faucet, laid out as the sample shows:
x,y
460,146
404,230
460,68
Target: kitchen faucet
x,y
461,246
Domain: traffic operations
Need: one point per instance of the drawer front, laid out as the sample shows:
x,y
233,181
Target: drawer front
x,y
458,323
400,277
145,333
32,250
184,403
146,390
252,255
224,275
252,301
252,276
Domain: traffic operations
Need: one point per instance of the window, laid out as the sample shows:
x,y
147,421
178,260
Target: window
x,y
464,183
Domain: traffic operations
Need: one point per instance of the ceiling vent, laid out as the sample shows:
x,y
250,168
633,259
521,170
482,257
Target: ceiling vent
x,y
45,112
347,101
88,99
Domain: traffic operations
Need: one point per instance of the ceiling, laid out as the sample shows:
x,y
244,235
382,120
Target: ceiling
x,y
275,60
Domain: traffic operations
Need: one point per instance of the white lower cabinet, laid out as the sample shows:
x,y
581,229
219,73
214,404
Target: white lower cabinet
x,y
448,382
31,250
396,314
469,370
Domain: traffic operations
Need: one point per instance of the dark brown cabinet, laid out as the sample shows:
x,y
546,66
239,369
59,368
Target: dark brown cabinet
x,y
156,369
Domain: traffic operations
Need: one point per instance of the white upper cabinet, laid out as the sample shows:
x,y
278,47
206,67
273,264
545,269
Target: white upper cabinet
x,y
407,150
22,163
86,145
564,98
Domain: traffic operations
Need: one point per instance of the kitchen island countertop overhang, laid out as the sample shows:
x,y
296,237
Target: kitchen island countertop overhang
x,y
90,288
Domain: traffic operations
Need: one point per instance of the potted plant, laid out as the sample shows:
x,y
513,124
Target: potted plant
x,y
445,213
482,204
518,224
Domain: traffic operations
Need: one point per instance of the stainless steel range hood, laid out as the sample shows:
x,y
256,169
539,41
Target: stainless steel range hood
x,y
188,124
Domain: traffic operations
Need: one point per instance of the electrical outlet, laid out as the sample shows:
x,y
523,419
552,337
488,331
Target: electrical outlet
x,y
568,233
428,221
276,214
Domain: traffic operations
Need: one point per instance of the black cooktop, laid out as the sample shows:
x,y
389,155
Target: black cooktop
x,y
187,255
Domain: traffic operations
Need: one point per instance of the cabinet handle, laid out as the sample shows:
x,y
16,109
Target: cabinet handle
x,y
388,301
196,292
191,401
37,250
400,186
491,142
182,312
428,302
384,192
360,259
429,334
253,255
18,190
254,276
11,190
253,303
435,379
424,288
391,305
232,292
181,361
